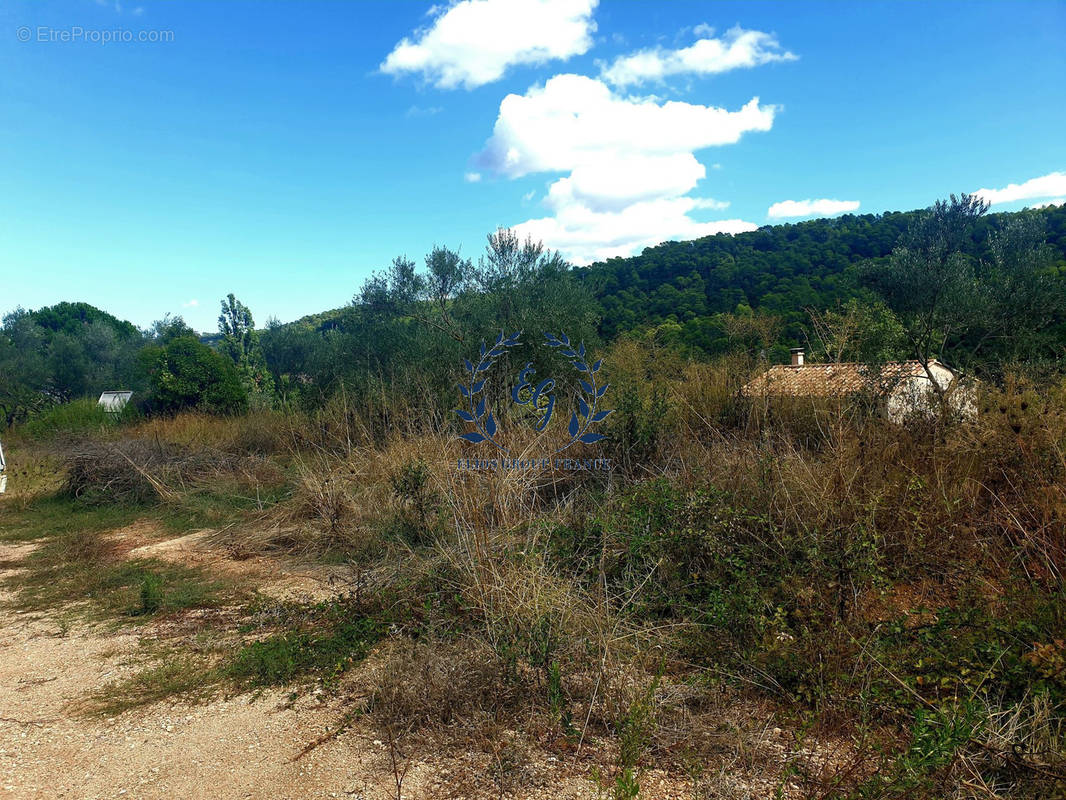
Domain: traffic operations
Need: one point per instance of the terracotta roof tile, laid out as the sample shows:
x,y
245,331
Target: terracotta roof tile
x,y
831,380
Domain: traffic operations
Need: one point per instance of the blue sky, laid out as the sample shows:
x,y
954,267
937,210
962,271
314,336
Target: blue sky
x,y
284,151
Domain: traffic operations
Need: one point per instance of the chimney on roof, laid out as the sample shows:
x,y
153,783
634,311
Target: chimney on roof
x,y
797,356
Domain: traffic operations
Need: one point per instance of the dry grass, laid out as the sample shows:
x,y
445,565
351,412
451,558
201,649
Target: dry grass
x,y
461,685
575,605
32,472
134,471
256,433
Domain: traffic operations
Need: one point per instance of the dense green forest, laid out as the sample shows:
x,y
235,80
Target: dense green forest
x,y
783,270
953,282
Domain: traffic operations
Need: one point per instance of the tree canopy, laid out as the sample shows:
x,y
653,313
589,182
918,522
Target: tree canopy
x,y
785,270
953,282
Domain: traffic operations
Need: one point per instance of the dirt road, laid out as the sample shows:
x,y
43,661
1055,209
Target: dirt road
x,y
228,748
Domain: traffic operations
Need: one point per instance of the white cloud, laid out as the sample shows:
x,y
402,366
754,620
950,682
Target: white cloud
x,y
191,304
573,120
422,111
117,7
810,208
711,204
1058,201
603,183
1050,185
629,163
584,235
736,49
473,42
472,177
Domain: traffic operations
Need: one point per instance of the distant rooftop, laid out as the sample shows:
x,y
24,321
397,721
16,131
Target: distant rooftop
x,y
835,380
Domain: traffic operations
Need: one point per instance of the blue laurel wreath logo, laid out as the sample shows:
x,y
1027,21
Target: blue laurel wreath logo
x,y
537,397
484,423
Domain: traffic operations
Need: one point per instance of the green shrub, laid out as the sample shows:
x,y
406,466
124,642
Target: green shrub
x,y
937,737
639,425
411,485
186,374
970,650
689,555
76,417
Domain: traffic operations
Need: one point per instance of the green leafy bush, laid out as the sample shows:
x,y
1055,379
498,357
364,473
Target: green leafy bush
x,y
186,374
691,555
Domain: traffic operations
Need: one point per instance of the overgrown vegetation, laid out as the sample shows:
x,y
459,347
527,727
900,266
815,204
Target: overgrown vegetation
x,y
892,595
323,641
803,596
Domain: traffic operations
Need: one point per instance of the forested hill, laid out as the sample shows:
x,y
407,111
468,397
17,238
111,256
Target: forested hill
x,y
780,269
1002,303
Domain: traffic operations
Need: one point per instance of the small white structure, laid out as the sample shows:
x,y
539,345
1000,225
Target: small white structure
x,y
114,402
905,387
3,475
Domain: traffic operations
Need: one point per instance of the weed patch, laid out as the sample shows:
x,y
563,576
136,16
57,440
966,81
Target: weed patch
x,y
179,674
58,515
327,639
80,564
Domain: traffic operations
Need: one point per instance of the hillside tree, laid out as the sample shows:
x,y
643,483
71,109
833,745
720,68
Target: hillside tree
x,y
240,341
946,298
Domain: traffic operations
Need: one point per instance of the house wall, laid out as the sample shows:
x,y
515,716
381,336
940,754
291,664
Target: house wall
x,y
917,396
